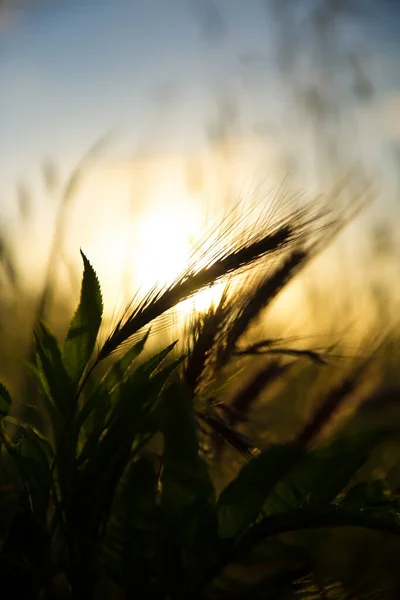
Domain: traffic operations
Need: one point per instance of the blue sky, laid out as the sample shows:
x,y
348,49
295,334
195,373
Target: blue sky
x,y
70,71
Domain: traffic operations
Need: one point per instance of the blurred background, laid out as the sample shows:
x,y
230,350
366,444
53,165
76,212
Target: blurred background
x,y
127,126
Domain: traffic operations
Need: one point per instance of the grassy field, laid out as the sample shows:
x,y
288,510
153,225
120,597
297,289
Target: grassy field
x,y
231,463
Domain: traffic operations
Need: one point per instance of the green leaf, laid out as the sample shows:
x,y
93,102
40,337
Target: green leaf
x,y
85,324
242,500
32,454
148,367
130,402
140,494
323,473
51,411
369,495
60,395
5,401
100,399
136,507
185,479
187,494
133,540
385,519
56,383
137,396
105,457
11,492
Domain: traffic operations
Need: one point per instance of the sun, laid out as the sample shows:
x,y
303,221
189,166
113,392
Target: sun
x,y
150,247
162,241
153,250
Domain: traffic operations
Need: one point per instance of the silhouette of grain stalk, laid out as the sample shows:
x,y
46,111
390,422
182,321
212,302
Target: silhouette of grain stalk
x,y
215,335
320,418
245,251
201,335
309,227
312,226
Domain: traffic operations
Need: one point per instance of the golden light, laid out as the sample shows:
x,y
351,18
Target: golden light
x,y
150,249
164,245
138,222
202,301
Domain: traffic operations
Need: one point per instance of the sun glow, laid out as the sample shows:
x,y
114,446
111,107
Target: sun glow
x,y
164,242
144,220
152,249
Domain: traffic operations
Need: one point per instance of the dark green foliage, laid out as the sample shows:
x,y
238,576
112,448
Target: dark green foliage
x,y
308,484
131,547
57,384
185,480
84,327
242,501
120,488
5,401
32,454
